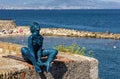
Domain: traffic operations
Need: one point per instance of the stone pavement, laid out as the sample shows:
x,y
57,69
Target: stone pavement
x,y
66,66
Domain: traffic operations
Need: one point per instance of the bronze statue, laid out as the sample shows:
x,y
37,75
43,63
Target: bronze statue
x,y
34,52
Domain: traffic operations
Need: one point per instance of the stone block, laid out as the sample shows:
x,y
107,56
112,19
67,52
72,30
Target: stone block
x,y
65,66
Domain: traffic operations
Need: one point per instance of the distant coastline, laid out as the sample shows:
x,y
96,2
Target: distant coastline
x,y
55,9
64,32
9,28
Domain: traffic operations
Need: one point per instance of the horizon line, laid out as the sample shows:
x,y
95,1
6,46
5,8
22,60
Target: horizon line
x,y
64,9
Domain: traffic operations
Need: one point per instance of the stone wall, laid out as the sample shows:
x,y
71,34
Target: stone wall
x,y
9,48
7,24
65,66
76,33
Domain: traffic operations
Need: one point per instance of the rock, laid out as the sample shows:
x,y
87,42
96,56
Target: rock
x,y
7,24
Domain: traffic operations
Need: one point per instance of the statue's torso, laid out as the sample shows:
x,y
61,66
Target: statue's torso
x,y
37,42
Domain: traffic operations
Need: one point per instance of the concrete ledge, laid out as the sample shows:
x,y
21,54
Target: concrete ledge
x,y
66,66
82,68
75,67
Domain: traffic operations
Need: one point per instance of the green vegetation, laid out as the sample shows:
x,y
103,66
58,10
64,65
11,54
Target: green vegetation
x,y
98,78
74,49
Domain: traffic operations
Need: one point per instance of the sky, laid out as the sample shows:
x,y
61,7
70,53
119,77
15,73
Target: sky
x,y
59,4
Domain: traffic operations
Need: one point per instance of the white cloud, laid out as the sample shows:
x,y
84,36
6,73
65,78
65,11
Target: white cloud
x,y
62,4
111,0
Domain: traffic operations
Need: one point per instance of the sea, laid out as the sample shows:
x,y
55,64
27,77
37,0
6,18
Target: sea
x,y
106,51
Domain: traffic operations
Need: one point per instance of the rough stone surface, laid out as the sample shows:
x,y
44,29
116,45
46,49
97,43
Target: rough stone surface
x,y
9,48
66,66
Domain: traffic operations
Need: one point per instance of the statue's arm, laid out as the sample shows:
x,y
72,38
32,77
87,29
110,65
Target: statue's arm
x,y
39,53
30,45
40,47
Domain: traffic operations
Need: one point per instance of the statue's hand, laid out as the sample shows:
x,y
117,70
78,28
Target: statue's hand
x,y
39,62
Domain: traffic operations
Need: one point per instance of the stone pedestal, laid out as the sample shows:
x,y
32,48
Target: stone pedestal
x,y
66,66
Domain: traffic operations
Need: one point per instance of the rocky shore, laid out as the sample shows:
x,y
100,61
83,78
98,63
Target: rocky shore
x,y
9,28
24,30
75,33
7,24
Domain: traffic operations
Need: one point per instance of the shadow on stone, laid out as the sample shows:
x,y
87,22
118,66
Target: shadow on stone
x,y
42,76
58,70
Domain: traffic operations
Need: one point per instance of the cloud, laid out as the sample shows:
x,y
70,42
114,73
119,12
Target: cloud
x,y
111,0
64,4
78,4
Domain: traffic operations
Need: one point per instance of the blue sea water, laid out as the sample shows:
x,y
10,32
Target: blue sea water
x,y
88,20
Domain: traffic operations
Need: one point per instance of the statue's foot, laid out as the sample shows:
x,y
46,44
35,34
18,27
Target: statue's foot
x,y
38,69
47,65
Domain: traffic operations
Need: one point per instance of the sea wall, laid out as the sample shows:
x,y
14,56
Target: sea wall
x,y
24,30
64,32
7,24
76,33
65,66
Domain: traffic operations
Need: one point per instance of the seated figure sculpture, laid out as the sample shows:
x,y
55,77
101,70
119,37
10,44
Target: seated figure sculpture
x,y
34,52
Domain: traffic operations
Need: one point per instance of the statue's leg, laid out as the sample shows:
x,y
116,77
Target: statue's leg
x,y
51,53
29,57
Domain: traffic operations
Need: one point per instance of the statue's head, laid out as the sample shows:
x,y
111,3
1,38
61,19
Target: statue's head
x,y
34,27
